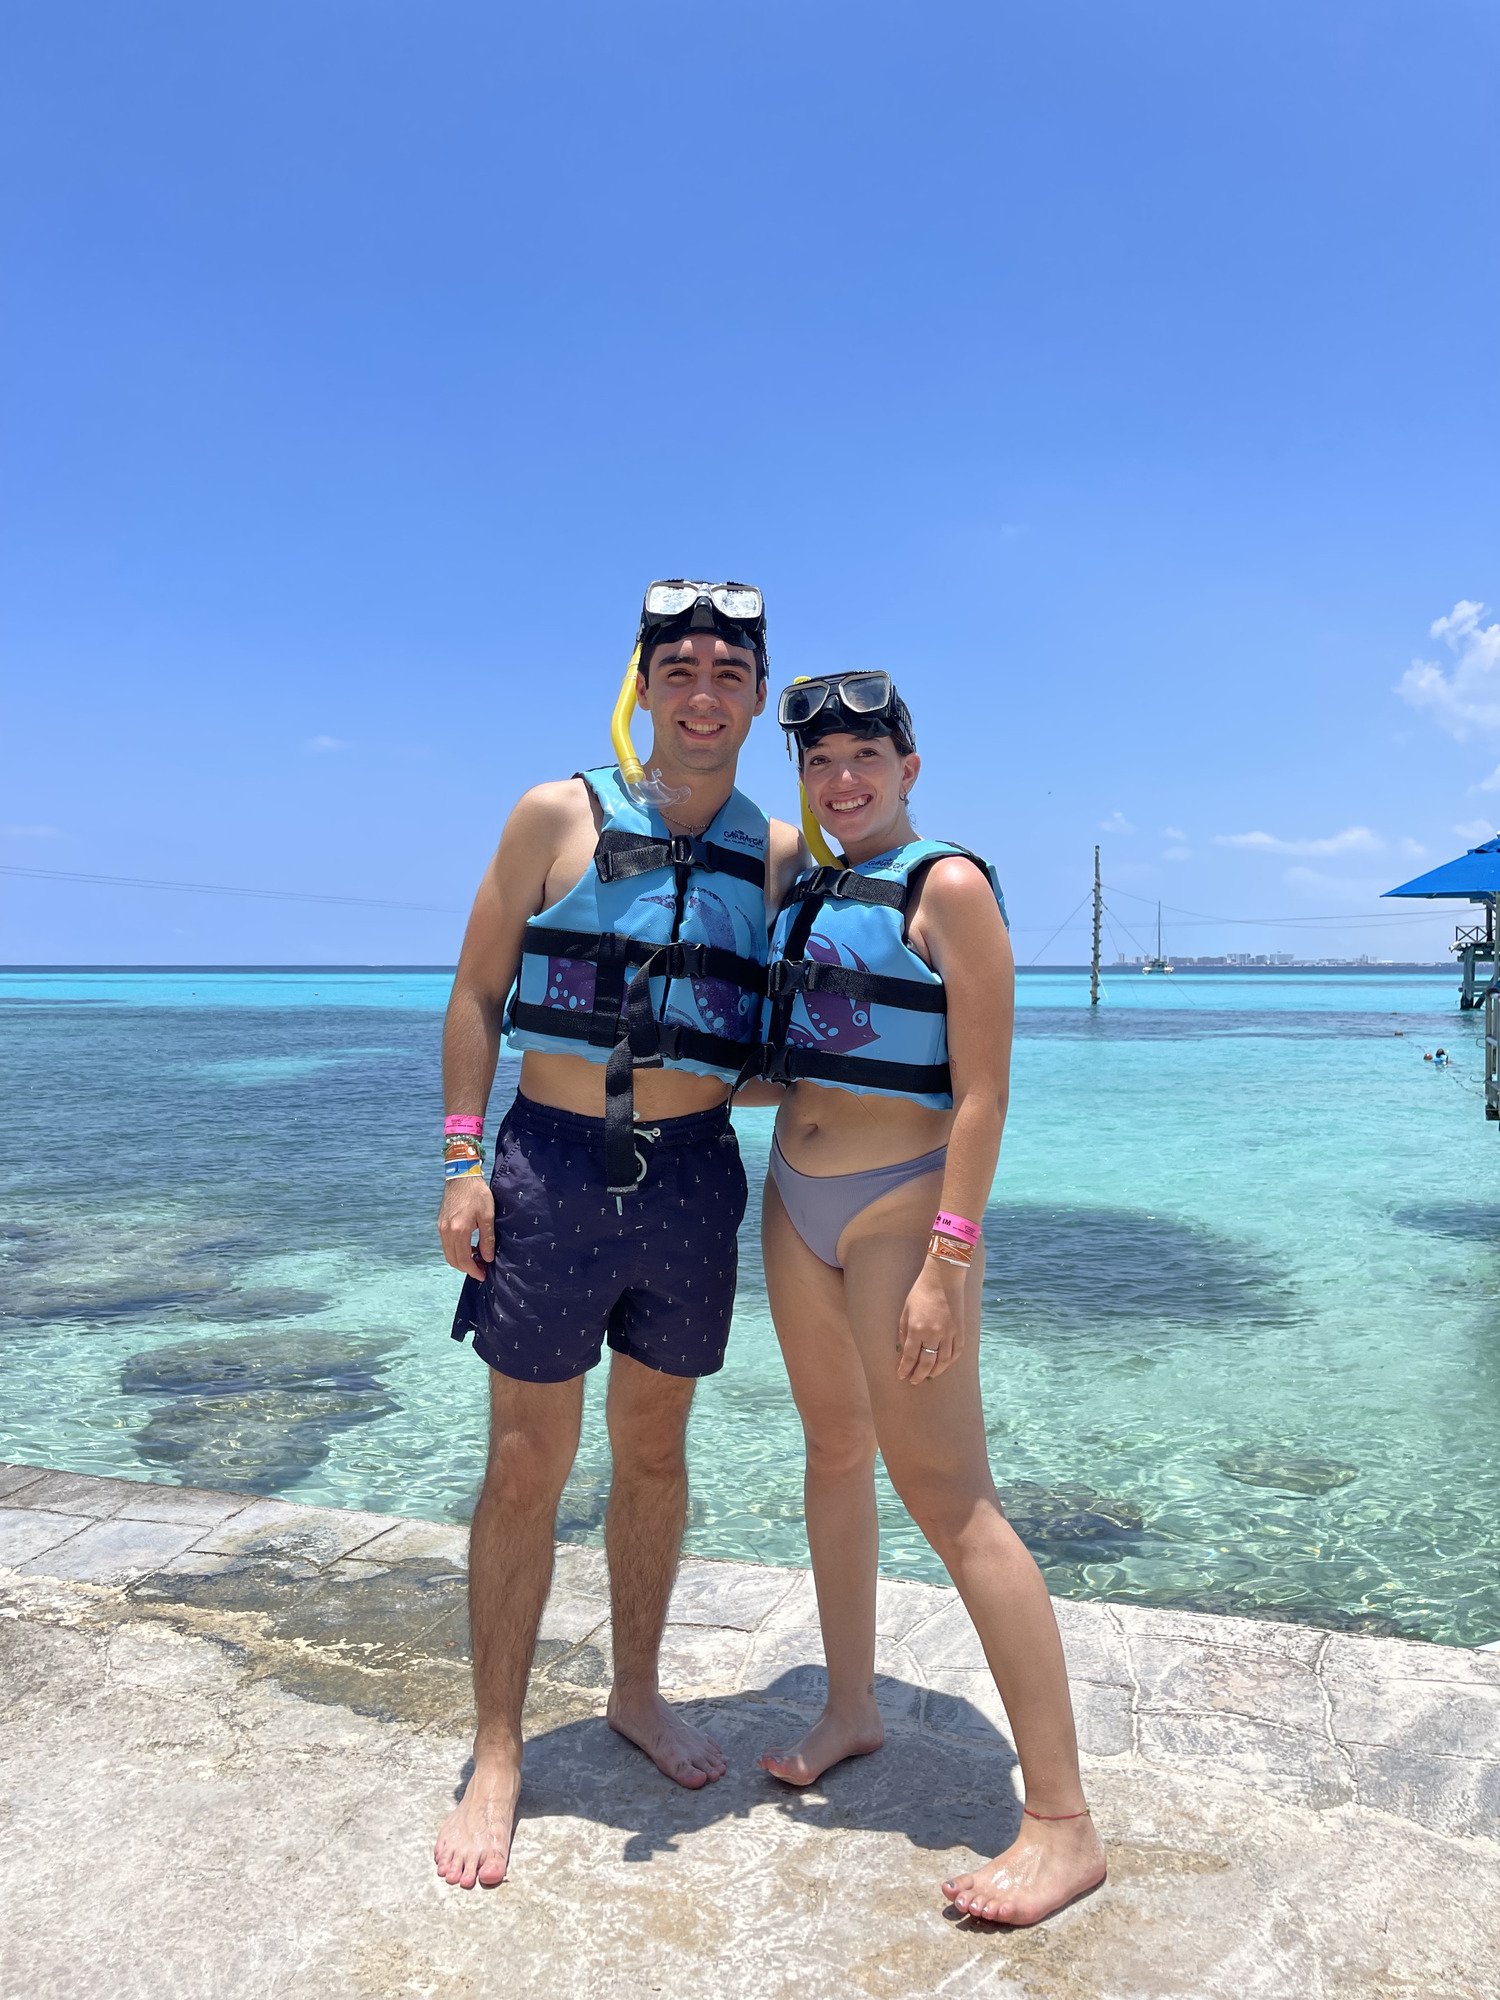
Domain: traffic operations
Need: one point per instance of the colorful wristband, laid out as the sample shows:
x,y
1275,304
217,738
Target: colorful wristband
x,y
457,1170
955,1225
472,1128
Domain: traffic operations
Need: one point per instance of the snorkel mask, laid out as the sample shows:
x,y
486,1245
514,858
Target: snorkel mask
x,y
826,704
673,607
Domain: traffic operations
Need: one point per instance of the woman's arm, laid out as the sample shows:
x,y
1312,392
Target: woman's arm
x,y
958,928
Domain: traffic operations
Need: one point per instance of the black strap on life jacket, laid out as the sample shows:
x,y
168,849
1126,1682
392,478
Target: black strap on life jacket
x,y
618,856
792,973
622,1019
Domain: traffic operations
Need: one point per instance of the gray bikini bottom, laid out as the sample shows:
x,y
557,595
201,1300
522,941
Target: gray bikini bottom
x,y
822,1206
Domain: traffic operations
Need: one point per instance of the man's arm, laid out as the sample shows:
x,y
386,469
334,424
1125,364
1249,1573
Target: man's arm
x,y
514,888
786,857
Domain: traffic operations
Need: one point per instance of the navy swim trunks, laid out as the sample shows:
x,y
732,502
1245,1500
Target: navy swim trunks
x,y
652,1273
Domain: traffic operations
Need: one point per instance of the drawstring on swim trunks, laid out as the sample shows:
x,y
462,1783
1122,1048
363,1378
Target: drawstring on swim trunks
x,y
646,1132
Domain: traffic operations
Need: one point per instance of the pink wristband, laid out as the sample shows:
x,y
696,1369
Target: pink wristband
x,y
472,1128
955,1225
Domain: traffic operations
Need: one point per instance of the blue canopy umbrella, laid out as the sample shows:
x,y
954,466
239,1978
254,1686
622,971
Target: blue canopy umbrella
x,y
1473,878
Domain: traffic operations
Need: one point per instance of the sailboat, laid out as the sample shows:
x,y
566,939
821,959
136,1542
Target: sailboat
x,y
1159,963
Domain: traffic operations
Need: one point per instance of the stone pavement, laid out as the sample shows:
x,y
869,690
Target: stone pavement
x,y
231,1727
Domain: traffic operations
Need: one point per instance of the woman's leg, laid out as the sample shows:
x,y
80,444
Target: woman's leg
x,y
807,1303
931,1436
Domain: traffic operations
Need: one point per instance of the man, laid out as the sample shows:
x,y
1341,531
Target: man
x,y
630,920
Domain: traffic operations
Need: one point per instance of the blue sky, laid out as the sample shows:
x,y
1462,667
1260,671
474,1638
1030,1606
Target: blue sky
x,y
1120,375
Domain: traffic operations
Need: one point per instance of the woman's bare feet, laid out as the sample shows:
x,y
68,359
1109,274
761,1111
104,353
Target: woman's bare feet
x,y
474,1843
835,1735
675,1747
1050,1862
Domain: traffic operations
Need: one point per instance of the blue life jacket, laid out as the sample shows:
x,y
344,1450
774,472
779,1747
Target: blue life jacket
x,y
848,1001
654,959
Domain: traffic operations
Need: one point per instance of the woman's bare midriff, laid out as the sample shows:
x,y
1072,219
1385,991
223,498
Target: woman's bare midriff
x,y
572,1083
822,1130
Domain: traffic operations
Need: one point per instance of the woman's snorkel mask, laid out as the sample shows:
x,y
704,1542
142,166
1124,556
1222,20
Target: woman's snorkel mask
x,y
673,608
827,705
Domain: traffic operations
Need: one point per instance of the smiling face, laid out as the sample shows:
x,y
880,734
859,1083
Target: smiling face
x,y
855,786
703,695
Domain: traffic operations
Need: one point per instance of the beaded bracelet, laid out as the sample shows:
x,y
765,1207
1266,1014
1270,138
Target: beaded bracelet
x,y
463,1151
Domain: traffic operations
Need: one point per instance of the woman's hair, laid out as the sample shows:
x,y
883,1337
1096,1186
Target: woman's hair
x,y
868,727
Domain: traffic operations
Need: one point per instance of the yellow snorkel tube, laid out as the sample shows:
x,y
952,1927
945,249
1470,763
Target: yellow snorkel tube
x,y
645,791
631,768
812,833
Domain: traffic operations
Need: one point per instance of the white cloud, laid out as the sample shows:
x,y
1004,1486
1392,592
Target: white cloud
x,y
318,744
1323,888
1353,840
1476,830
1116,823
28,832
1468,698
1173,833
1177,854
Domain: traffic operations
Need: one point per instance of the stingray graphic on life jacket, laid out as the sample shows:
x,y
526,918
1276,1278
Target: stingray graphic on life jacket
x,y
838,1023
718,1007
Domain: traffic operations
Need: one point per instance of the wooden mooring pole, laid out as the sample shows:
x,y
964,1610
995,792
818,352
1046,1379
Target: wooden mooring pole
x,y
1098,913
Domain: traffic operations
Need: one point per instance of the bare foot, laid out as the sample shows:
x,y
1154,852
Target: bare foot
x,y
1050,1862
832,1738
474,1844
674,1746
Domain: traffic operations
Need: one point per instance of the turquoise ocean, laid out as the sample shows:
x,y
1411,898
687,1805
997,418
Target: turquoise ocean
x,y
1242,1323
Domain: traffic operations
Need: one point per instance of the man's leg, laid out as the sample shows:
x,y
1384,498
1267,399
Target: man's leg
x,y
647,1413
533,1440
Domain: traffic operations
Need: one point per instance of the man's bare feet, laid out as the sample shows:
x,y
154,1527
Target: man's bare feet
x,y
1050,1862
674,1746
832,1738
474,1844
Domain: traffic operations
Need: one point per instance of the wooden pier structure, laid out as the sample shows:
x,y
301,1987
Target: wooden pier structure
x,y
1476,947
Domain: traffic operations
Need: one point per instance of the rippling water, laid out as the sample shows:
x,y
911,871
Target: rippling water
x,y
1242,1326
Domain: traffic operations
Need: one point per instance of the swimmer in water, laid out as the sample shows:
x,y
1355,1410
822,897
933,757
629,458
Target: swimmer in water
x,y
1441,1059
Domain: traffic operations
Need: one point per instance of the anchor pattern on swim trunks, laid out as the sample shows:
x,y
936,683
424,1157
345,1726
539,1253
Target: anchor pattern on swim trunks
x,y
833,1020
576,1270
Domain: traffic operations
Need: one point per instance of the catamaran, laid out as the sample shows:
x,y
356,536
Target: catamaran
x,y
1159,963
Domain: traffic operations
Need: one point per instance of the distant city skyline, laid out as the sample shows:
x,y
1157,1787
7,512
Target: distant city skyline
x,y
1121,381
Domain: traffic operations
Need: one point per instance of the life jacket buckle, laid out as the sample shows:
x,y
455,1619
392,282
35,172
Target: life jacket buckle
x,y
785,975
686,959
683,851
668,1043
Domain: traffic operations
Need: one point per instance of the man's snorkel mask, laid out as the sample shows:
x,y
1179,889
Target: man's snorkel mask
x,y
672,609
863,703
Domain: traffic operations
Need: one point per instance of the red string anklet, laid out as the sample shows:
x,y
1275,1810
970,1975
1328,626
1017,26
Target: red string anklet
x,y
1085,1814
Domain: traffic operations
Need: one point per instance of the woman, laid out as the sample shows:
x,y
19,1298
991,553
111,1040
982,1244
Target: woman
x,y
889,1020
